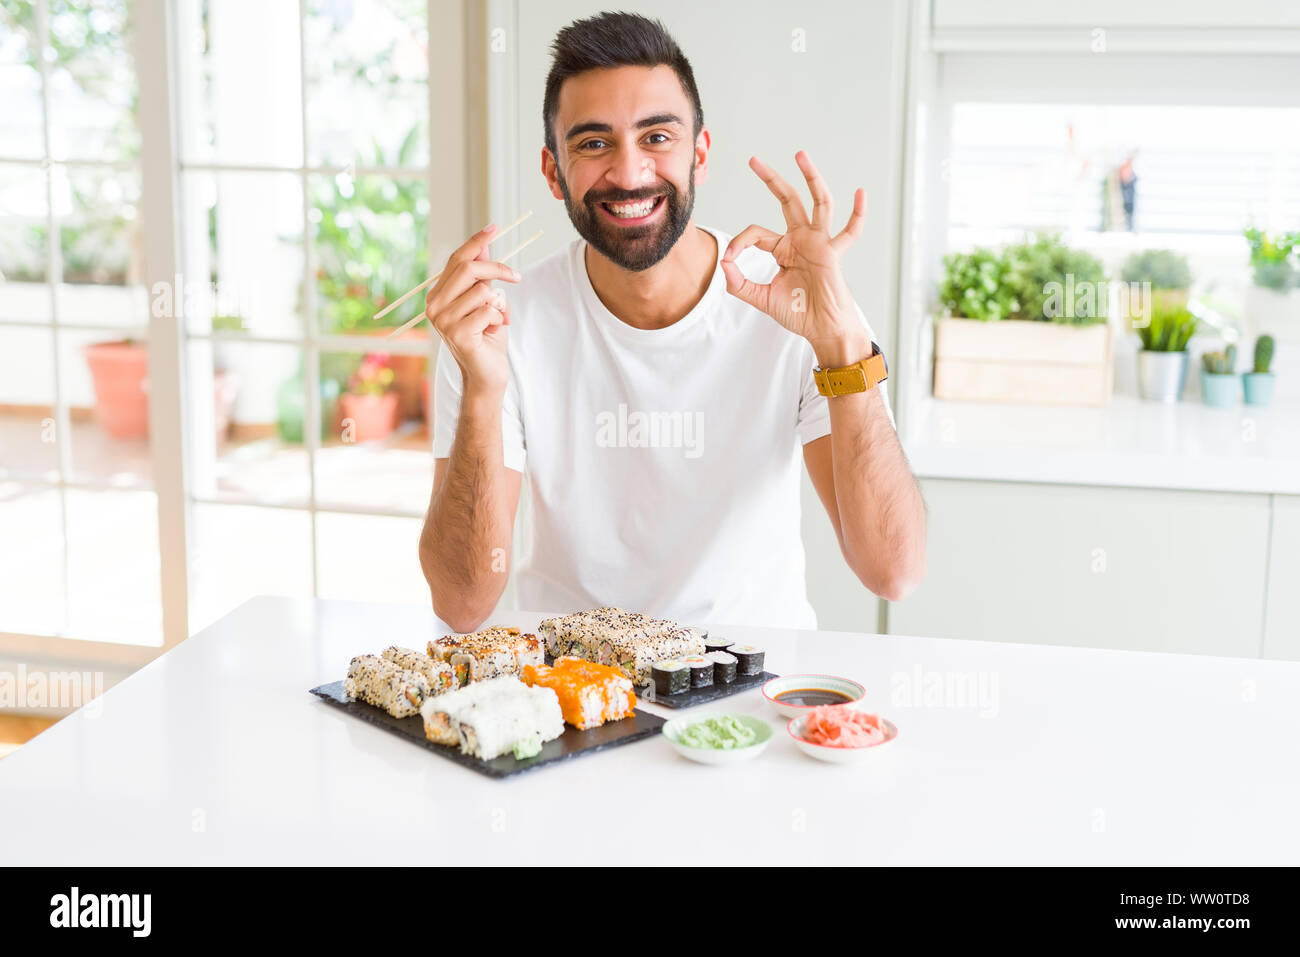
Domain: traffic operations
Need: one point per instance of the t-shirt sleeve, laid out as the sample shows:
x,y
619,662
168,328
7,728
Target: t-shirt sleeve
x,y
448,387
814,420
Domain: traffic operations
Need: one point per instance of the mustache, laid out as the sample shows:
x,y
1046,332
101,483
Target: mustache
x,y
630,196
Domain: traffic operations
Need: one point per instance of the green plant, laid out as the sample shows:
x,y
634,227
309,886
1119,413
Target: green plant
x,y
974,286
228,323
1053,282
1263,354
1162,268
1271,259
1220,363
371,241
87,46
373,377
1169,329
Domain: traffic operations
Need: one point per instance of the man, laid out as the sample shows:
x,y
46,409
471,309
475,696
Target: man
x,y
658,379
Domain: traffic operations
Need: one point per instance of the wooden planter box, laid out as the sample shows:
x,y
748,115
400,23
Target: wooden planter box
x,y
1016,360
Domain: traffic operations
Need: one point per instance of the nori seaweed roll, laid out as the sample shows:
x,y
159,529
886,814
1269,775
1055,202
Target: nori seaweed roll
x,y
670,677
701,670
749,659
717,644
724,666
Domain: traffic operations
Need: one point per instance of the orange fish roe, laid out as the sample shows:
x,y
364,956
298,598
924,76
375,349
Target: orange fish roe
x,y
590,694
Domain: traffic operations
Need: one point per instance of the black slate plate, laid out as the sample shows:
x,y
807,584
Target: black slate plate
x,y
693,696
572,744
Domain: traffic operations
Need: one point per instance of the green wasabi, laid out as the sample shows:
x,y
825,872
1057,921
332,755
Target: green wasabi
x,y
722,734
527,748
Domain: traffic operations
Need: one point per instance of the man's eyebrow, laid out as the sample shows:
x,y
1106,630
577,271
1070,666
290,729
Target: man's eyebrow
x,y
658,119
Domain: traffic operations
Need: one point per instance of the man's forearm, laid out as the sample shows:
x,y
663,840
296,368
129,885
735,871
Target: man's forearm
x,y
465,545
882,515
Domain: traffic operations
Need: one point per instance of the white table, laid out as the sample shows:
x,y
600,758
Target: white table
x,y
216,753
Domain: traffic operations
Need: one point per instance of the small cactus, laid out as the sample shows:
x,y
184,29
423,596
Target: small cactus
x,y
1220,363
1263,353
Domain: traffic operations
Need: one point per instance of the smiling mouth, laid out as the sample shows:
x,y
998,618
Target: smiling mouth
x,y
633,212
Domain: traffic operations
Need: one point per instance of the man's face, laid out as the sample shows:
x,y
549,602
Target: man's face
x,y
626,161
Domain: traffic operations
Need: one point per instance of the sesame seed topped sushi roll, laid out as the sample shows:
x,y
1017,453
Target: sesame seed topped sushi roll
x,y
438,673
383,684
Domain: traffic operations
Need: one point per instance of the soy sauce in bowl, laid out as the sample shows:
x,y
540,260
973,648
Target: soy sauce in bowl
x,y
812,697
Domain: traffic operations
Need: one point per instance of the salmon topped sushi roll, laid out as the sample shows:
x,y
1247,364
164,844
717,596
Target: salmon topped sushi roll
x,y
590,694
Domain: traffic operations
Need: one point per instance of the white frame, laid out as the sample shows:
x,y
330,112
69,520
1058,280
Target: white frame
x,y
448,174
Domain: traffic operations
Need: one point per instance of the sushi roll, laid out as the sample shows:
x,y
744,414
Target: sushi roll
x,y
724,666
701,670
489,653
670,677
749,660
382,684
589,694
716,644
494,717
438,673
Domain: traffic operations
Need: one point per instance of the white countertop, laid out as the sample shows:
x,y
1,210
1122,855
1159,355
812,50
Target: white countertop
x,y
1129,442
216,753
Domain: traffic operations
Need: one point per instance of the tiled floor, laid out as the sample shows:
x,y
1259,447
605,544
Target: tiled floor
x,y
237,550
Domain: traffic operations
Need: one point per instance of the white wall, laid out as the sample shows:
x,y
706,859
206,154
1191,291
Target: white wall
x,y
840,99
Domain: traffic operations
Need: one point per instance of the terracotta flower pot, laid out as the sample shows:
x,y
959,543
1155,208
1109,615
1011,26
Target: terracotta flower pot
x,y
120,373
365,418
408,371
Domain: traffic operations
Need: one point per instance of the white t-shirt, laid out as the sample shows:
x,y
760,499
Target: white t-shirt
x,y
664,465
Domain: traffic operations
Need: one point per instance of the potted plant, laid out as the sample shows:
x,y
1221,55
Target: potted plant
x,y
1219,384
1162,271
371,244
1259,382
290,410
1027,324
119,373
1162,360
1272,301
369,407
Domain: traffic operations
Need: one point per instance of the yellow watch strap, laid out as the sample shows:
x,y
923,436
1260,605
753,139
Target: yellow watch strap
x,y
862,375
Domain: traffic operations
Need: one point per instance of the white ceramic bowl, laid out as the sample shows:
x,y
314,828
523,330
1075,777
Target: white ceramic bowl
x,y
785,683
840,755
763,730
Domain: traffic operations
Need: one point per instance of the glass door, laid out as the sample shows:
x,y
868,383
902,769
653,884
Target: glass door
x,y
304,190
78,503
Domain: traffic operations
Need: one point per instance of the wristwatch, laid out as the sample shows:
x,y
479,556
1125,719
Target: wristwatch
x,y
862,375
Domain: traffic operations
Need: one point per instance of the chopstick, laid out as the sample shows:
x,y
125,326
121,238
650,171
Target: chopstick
x,y
414,319
432,279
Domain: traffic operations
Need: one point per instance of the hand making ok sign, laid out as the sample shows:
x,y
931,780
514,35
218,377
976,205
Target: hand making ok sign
x,y
808,295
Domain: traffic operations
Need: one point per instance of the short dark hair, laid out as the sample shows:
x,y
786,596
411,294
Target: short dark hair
x,y
610,40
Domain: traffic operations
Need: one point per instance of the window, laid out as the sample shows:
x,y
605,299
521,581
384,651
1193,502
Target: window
x,y
304,210
78,508
301,151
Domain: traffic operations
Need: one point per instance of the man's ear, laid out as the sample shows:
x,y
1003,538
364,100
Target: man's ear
x,y
702,143
549,170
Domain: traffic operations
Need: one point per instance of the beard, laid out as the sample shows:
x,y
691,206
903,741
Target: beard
x,y
634,248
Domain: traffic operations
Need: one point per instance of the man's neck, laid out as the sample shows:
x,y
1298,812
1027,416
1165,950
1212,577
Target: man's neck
x,y
657,297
